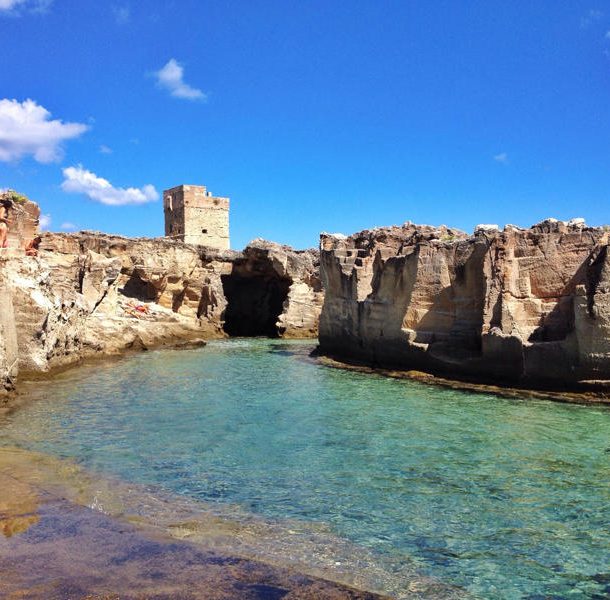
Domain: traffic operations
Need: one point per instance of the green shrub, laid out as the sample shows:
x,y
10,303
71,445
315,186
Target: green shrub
x,y
16,197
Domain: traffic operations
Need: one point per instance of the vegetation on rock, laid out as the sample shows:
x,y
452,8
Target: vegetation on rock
x,y
14,196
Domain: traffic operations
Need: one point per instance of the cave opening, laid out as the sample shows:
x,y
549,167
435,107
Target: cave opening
x,y
138,289
254,303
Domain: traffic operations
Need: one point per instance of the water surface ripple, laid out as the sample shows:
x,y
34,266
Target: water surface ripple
x,y
507,498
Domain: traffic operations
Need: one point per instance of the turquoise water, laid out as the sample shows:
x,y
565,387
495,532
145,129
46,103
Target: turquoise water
x,y
509,499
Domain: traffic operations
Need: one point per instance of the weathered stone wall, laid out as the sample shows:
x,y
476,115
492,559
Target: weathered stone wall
x,y
521,306
194,216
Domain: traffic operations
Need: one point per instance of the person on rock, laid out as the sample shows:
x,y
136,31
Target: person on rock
x,y
31,248
5,208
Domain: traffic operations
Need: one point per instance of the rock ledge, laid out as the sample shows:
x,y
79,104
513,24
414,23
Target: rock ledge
x,y
528,307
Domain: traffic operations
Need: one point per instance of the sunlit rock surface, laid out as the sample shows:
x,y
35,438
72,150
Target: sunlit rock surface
x,y
89,293
273,289
527,306
24,219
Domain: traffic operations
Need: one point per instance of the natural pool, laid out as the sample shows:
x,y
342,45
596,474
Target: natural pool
x,y
506,498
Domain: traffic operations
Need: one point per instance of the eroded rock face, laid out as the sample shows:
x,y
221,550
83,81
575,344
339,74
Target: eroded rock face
x,y
23,220
520,306
91,293
273,290
9,355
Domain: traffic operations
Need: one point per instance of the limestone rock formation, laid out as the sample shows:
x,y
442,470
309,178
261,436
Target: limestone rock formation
x,y
273,289
89,293
522,306
24,219
9,355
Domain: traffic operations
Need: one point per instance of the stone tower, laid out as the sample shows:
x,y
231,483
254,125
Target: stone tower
x,y
194,216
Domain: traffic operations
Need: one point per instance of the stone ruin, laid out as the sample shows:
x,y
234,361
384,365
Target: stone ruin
x,y
194,216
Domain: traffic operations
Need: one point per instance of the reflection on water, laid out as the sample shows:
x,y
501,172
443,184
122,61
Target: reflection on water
x,y
507,498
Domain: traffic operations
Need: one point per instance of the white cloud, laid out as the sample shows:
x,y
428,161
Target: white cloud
x,y
26,128
67,226
122,14
105,149
10,4
501,158
78,180
171,78
14,7
45,222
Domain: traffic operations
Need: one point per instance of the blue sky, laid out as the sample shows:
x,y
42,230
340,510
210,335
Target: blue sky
x,y
312,115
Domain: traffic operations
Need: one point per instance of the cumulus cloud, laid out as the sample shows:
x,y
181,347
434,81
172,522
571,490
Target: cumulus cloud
x,y
171,78
105,149
501,158
26,128
45,222
78,180
15,7
67,226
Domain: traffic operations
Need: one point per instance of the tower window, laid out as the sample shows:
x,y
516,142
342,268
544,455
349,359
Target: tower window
x,y
204,231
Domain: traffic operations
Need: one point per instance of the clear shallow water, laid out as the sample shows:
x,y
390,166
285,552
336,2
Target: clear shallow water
x,y
510,499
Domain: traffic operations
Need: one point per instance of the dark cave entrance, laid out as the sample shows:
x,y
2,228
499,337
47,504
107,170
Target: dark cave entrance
x,y
254,302
139,289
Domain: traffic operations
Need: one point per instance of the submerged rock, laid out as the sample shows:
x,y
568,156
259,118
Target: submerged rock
x,y
528,306
65,534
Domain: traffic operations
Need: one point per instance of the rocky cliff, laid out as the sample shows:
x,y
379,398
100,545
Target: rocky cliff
x,y
87,294
520,306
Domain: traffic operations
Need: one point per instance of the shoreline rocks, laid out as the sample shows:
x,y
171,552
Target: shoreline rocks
x,y
525,307
89,294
